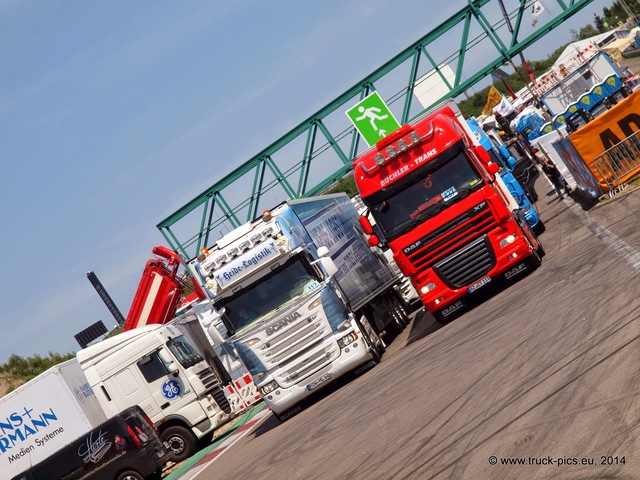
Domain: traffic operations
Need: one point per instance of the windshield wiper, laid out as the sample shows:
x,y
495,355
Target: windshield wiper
x,y
405,226
431,211
464,192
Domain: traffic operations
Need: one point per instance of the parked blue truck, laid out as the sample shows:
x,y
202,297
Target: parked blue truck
x,y
502,157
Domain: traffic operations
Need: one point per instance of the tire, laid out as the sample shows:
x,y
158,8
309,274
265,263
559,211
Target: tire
x,y
540,251
376,345
401,309
539,228
389,307
181,442
376,356
535,260
130,475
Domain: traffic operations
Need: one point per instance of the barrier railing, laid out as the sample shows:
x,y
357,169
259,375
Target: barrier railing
x,y
619,162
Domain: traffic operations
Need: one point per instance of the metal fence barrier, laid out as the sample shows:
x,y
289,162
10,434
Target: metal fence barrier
x,y
618,162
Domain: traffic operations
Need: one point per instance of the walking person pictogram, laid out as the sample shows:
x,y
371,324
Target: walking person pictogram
x,y
372,113
372,118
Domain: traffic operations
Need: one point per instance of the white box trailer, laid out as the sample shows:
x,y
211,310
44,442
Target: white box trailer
x,y
44,415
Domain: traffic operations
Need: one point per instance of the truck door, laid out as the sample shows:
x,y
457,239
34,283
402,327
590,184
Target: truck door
x,y
169,391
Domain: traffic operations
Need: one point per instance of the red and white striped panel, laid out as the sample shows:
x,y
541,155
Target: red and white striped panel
x,y
235,399
247,389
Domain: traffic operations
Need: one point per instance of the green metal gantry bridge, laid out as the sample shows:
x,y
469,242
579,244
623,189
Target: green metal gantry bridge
x,y
318,152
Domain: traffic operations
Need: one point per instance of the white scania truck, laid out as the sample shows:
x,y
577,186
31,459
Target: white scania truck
x,y
303,297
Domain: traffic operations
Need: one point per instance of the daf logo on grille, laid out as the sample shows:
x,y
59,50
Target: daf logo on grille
x,y
452,308
412,247
479,207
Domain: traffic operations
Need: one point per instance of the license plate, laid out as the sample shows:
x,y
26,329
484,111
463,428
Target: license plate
x,y
318,381
480,283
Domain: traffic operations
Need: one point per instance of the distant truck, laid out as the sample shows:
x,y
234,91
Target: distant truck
x,y
44,415
502,157
447,216
159,368
163,297
124,447
303,298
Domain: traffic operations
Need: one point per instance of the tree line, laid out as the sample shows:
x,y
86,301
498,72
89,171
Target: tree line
x,y
615,15
19,370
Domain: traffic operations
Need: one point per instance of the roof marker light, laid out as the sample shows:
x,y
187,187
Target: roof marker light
x,y
255,239
402,146
379,159
267,232
391,151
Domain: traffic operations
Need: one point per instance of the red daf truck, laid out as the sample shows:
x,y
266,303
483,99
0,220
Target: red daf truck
x,y
444,212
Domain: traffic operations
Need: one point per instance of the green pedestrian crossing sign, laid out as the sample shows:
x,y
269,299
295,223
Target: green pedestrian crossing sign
x,y
372,118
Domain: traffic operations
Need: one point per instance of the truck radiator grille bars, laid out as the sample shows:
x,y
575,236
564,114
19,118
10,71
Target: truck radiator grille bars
x,y
467,264
208,378
218,395
446,249
300,351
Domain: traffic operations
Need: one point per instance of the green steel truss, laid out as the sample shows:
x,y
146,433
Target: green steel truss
x,y
318,152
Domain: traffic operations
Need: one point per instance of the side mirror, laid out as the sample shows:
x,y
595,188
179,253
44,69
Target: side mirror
x,y
329,265
482,155
511,162
365,224
373,241
215,335
323,252
493,168
168,360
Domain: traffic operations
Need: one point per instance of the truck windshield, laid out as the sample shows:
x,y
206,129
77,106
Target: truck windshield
x,y
426,195
249,306
184,352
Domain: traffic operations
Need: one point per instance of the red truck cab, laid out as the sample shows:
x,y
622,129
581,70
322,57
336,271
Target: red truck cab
x,y
443,211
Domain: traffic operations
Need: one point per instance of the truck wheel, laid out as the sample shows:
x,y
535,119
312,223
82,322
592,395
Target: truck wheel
x,y
130,475
181,442
398,306
376,345
539,228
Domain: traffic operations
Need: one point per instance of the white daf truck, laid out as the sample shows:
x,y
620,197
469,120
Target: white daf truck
x,y
303,298
159,368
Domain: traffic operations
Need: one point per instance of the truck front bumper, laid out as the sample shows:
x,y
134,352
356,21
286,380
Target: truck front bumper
x,y
351,356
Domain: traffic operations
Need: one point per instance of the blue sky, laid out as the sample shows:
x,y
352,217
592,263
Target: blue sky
x,y
115,114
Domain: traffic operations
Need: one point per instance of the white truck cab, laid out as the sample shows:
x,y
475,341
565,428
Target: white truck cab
x,y
158,368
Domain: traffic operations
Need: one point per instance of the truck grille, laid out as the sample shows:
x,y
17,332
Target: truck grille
x,y
467,264
458,250
220,398
208,378
300,350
